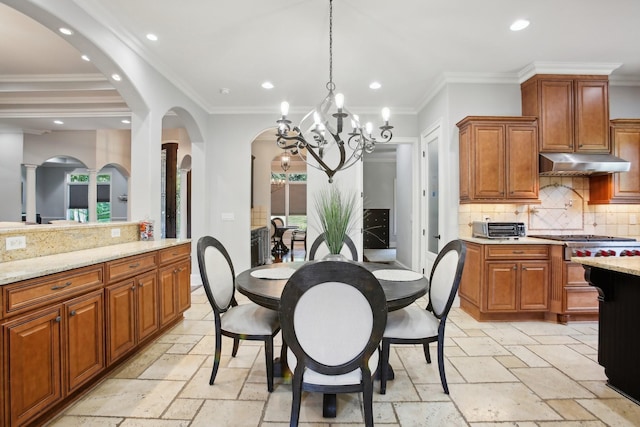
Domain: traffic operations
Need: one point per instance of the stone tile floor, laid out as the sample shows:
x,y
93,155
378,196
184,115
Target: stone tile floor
x,y
521,374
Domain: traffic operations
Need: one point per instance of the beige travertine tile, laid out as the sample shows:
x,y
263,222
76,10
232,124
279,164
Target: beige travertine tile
x,y
227,385
549,383
501,402
482,369
614,412
429,414
134,367
600,389
421,372
71,421
432,393
177,367
570,409
128,398
479,346
510,361
229,413
556,339
570,362
129,422
527,356
183,409
510,336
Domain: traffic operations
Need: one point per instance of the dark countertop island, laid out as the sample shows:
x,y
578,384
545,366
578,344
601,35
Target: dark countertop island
x,y
618,282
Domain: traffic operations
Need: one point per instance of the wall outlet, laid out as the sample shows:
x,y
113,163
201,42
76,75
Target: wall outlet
x,y
17,242
115,232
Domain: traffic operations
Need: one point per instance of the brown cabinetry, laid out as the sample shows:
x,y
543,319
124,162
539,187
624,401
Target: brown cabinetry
x,y
620,187
175,283
60,332
498,160
506,282
132,313
572,111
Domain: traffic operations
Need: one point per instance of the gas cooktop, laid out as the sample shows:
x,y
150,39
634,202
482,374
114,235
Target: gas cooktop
x,y
583,238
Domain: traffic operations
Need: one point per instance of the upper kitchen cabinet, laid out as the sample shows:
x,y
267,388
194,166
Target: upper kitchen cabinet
x,y
572,111
620,187
498,159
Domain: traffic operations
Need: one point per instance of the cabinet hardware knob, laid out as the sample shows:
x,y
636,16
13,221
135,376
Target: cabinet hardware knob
x,y
515,267
524,268
141,284
55,288
136,265
133,288
73,313
58,319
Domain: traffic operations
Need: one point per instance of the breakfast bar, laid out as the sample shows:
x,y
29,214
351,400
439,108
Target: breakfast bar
x,y
617,280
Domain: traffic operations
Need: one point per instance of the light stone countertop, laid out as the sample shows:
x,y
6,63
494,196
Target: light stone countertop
x,y
15,271
512,241
628,265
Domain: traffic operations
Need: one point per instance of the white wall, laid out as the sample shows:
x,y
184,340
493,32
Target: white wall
x,y
405,220
624,101
11,175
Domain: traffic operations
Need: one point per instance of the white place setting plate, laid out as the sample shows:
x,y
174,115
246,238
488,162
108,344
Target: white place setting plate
x,y
273,273
397,275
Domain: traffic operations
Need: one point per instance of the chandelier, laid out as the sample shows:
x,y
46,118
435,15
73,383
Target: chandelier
x,y
317,133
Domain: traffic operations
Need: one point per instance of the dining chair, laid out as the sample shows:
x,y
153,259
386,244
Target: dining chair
x,y
414,325
299,235
333,315
238,321
321,239
275,223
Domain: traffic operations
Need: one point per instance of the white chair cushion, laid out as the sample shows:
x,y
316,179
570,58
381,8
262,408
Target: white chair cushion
x,y
411,322
312,377
219,276
250,319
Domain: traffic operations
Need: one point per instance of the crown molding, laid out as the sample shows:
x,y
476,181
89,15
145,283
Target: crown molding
x,y
576,68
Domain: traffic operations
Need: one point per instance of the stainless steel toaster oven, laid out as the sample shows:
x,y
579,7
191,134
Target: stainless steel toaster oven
x,y
498,230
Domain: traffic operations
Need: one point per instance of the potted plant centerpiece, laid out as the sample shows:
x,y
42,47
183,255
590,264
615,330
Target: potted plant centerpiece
x,y
336,212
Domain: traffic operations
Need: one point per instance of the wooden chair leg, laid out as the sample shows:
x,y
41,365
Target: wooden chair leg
x,y
296,388
268,352
236,344
384,366
443,377
427,355
367,400
216,357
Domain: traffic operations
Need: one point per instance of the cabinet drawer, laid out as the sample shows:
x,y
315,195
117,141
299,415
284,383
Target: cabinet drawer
x,y
518,252
176,252
131,266
45,290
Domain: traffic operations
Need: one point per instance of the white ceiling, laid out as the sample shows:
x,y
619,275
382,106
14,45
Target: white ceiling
x,y
409,46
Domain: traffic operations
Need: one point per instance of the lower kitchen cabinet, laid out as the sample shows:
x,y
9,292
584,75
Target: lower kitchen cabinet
x,y
132,313
62,332
175,283
506,282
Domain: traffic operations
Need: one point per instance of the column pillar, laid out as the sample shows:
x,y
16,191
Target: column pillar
x,y
184,202
30,198
93,195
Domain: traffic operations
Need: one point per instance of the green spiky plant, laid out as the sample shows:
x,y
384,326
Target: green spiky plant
x,y
337,214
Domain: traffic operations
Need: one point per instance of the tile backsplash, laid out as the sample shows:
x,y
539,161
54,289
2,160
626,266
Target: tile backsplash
x,y
259,216
564,210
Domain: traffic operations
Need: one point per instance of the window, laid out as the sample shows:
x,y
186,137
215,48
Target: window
x,y
78,197
289,199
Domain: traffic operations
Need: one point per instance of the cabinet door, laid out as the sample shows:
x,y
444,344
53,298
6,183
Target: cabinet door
x,y
85,339
556,115
183,278
501,286
534,286
168,294
627,146
592,116
522,162
147,305
121,324
489,157
32,364
465,166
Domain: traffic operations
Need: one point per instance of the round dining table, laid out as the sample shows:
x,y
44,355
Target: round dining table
x,y
264,284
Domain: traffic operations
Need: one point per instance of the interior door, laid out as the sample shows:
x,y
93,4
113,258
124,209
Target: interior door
x,y
430,203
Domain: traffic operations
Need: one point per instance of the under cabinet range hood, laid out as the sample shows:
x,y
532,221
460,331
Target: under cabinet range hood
x,y
581,164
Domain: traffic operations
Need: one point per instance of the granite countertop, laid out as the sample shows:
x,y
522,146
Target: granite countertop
x,y
628,265
257,227
15,271
512,241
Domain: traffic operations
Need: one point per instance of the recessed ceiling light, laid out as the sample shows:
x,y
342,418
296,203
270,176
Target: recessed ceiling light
x,y
126,121
58,122
152,37
519,24
65,31
225,90
116,77
267,85
85,58
375,85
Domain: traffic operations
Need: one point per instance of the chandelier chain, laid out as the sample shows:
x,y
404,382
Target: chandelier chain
x,y
330,85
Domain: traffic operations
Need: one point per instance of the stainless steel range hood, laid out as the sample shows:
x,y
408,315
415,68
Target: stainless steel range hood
x,y
577,164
